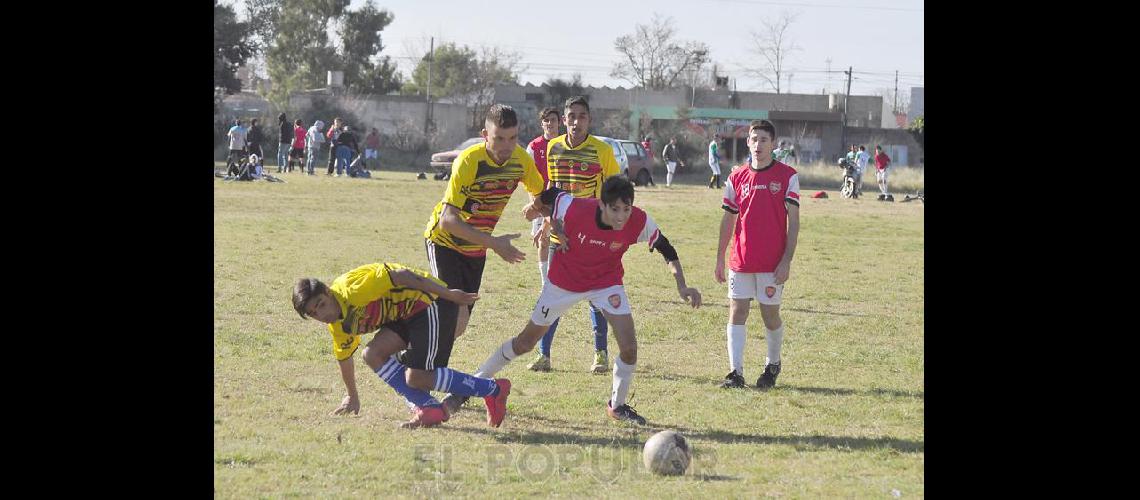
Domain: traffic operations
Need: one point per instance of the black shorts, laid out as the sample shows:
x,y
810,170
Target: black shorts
x,y
429,334
455,269
297,153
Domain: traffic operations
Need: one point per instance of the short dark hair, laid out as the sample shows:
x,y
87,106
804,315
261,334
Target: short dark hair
x,y
298,122
304,291
617,188
578,99
502,116
862,148
764,125
281,117
547,110
253,122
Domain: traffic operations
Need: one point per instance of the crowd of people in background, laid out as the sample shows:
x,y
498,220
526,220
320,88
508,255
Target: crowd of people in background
x,y
300,147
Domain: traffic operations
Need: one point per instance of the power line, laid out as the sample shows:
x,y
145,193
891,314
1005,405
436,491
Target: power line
x,y
829,6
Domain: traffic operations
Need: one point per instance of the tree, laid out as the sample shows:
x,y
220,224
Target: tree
x,y
774,45
300,53
465,76
360,40
232,47
917,129
560,90
652,59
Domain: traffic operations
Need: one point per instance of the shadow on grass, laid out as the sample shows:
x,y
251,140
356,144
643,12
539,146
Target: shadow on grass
x,y
833,313
634,437
814,442
854,392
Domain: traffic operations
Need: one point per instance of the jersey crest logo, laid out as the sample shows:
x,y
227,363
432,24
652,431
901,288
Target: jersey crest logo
x,y
744,190
770,291
615,246
774,187
615,300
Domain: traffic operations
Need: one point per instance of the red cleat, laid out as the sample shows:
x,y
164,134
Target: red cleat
x,y
497,405
427,416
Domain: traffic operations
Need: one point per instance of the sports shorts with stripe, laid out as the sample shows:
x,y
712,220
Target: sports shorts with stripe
x,y
429,334
455,269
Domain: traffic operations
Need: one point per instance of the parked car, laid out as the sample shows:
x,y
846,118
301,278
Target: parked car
x,y
441,161
638,164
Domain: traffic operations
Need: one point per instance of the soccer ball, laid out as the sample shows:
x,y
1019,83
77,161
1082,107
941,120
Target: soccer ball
x,y
667,453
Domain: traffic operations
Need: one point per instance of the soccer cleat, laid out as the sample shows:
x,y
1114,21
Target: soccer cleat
x,y
540,364
601,362
427,416
768,379
497,404
453,402
624,412
733,380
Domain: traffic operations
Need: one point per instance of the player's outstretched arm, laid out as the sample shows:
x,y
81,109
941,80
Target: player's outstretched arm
x,y
351,401
407,279
662,245
501,245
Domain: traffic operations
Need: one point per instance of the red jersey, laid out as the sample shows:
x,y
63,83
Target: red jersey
x,y
537,150
761,231
593,261
882,160
298,137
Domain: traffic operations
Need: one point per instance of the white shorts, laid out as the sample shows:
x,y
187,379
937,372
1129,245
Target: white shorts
x,y
715,168
882,175
554,301
671,166
759,286
370,154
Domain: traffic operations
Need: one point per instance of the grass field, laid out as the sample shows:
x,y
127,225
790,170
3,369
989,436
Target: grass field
x,y
846,418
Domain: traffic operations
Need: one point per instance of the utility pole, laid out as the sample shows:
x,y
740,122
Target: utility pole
x,y
896,108
427,115
828,87
846,98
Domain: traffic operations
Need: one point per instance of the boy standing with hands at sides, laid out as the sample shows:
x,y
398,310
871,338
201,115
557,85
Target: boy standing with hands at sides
x,y
762,217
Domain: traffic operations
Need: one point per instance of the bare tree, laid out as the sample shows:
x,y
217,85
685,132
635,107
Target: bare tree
x,y
774,45
653,60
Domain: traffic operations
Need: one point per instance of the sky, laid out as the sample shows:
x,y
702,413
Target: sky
x,y
874,37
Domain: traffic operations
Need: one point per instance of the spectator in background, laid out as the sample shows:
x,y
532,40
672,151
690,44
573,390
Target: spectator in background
x,y
286,139
331,135
861,160
314,139
254,139
237,144
372,147
714,162
882,161
671,155
297,152
346,148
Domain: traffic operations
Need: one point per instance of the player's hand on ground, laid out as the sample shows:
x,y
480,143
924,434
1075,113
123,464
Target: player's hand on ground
x,y
461,297
347,405
506,250
692,296
783,269
718,273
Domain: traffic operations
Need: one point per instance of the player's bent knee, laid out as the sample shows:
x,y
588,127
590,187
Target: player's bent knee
x,y
628,355
372,357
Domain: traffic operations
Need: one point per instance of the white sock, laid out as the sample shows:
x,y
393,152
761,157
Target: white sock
x,y
775,340
669,179
498,359
736,336
623,377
